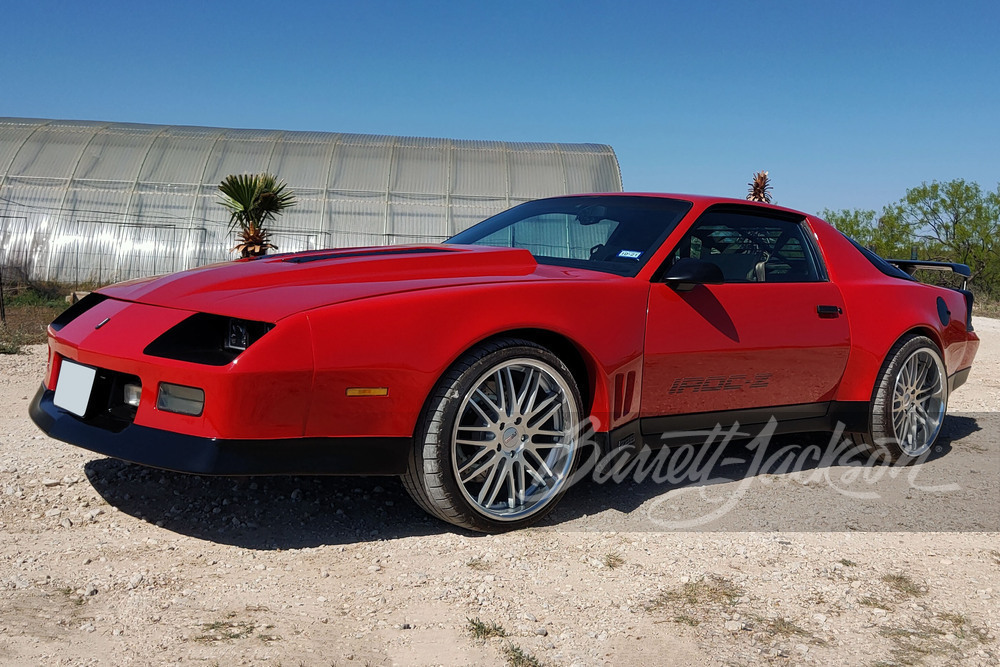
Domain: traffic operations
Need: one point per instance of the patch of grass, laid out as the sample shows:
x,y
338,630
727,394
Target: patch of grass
x,y
478,563
29,307
224,630
816,599
696,594
911,645
27,325
613,560
982,635
71,597
847,563
985,307
686,620
902,583
781,626
481,630
877,603
518,657
960,627
11,340
906,652
958,620
42,295
909,648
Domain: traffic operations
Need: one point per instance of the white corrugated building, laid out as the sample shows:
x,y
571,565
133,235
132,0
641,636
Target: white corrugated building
x,y
96,202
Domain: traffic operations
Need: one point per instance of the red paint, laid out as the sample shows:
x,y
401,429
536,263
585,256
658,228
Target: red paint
x,y
383,319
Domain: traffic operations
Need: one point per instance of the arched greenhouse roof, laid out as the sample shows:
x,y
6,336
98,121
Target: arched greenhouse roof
x,y
96,202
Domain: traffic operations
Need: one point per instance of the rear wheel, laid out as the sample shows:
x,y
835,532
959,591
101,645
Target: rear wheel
x,y
909,403
497,443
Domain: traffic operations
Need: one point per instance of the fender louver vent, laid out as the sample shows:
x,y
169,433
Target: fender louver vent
x,y
624,393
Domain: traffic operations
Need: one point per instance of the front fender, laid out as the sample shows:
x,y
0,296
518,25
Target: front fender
x,y
405,342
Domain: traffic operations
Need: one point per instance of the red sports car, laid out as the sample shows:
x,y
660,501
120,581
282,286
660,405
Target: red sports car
x,y
469,368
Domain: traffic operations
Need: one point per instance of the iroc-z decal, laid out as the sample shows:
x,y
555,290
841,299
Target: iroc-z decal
x,y
720,383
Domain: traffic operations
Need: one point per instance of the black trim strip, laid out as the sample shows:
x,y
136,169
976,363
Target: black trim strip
x,y
968,308
208,456
703,420
801,418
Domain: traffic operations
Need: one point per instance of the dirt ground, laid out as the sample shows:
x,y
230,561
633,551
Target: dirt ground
x,y
789,560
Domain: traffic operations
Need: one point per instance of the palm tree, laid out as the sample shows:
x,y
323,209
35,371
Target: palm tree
x,y
760,188
253,200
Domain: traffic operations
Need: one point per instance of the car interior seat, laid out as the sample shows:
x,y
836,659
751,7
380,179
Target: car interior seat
x,y
740,267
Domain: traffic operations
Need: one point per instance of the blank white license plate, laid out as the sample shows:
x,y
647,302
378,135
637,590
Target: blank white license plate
x,y
74,386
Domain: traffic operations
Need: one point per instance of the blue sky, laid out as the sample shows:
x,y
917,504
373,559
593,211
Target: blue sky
x,y
847,103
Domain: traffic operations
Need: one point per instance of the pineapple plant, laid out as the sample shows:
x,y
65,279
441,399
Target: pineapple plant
x,y
760,188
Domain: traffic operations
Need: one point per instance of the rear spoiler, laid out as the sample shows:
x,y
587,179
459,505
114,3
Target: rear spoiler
x,y
911,266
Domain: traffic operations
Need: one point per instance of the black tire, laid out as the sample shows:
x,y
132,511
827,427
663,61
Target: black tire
x,y
498,448
902,427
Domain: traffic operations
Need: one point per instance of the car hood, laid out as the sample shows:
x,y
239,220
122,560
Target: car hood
x,y
273,287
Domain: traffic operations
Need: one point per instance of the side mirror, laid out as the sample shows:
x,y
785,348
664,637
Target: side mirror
x,y
688,272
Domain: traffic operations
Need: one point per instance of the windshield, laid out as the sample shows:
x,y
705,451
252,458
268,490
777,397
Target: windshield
x,y
616,234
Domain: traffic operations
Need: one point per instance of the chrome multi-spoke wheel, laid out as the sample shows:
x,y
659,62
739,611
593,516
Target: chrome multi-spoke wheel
x,y
918,401
498,441
513,441
909,402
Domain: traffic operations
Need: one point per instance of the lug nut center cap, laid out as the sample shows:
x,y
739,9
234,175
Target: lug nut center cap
x,y
510,439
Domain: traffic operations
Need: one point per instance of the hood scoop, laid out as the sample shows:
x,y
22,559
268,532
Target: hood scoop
x,y
303,259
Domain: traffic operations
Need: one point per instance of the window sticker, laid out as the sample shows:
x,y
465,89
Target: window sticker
x,y
630,254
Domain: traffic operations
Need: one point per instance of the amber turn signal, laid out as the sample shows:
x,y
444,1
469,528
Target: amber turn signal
x,y
367,391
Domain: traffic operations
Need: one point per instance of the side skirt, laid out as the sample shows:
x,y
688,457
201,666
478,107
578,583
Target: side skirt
x,y
686,429
956,380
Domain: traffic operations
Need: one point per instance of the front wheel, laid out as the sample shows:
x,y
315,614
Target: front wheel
x,y
909,402
497,444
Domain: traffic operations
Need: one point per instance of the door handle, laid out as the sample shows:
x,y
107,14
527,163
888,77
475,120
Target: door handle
x,y
829,312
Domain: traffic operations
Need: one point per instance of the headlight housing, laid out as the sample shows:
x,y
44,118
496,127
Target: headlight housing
x,y
212,340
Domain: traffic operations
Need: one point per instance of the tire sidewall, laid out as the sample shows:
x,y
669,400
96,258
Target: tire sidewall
x,y
882,440
438,425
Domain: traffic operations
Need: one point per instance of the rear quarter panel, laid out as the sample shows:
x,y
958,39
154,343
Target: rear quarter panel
x,y
882,309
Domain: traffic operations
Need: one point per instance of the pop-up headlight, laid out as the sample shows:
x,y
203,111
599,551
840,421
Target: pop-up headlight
x,y
212,340
239,335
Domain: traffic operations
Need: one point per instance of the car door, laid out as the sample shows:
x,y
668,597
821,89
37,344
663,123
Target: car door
x,y
773,334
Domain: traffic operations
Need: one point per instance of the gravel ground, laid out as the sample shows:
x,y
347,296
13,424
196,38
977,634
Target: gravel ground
x,y
106,563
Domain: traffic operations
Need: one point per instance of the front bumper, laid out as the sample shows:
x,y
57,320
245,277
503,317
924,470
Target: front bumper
x,y
213,456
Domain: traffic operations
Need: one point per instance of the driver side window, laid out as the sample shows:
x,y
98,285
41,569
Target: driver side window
x,y
751,248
